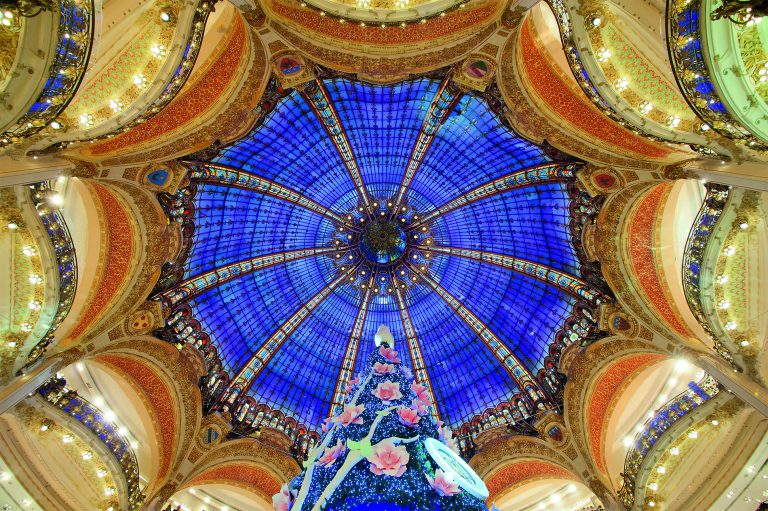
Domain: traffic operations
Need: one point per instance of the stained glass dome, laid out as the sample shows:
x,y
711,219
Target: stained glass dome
x,y
412,205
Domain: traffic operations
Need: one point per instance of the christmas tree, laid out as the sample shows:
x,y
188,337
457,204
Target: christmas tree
x,y
384,451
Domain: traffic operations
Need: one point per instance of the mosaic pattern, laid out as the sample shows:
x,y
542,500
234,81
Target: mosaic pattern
x,y
291,324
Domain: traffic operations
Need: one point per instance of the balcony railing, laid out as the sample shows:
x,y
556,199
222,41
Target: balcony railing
x,y
56,393
687,51
66,263
678,407
703,227
73,49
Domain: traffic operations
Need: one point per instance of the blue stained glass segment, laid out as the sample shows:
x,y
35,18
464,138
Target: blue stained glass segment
x,y
382,124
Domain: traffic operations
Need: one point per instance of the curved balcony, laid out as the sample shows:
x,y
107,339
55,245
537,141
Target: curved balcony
x,y
43,197
661,430
695,262
89,120
709,68
50,62
584,63
55,392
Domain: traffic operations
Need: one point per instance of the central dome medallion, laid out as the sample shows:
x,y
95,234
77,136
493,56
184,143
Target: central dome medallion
x,y
383,242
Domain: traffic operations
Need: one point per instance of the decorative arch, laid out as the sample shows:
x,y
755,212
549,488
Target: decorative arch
x,y
596,379
121,238
507,462
166,381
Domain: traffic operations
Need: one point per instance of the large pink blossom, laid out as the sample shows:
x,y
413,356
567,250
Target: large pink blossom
x,y
284,500
387,391
388,458
443,484
350,415
389,354
422,393
408,416
331,454
380,368
446,436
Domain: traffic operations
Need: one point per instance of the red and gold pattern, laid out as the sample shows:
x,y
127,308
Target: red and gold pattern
x,y
117,256
242,475
193,101
163,407
607,389
523,471
563,97
309,20
643,240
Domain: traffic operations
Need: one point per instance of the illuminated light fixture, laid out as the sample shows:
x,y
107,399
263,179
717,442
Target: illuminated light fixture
x,y
140,81
743,225
729,250
45,427
56,125
651,503
401,4
134,445
109,491
56,199
86,120
571,488
653,486
744,342
98,401
555,498
13,226
675,451
603,54
723,304
35,305
87,455
67,439
116,105
645,107
705,127
5,477
693,435
731,325
622,84
35,278
628,441
110,415
165,16
715,422
158,51
661,470
26,327
101,473
673,122
597,21
682,365
12,344
722,279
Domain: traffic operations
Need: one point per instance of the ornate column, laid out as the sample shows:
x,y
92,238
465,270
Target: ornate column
x,y
33,377
740,385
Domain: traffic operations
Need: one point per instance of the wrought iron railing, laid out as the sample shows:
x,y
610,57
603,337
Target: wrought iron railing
x,y
75,38
56,393
66,262
573,56
174,84
693,257
687,56
678,407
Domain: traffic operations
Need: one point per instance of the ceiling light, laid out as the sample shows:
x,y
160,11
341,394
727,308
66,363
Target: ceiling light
x,y
165,16
661,469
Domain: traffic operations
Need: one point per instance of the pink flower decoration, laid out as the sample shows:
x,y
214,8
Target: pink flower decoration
x,y
408,416
446,436
380,368
389,459
350,415
284,500
422,393
389,354
387,391
331,454
354,381
443,484
417,404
